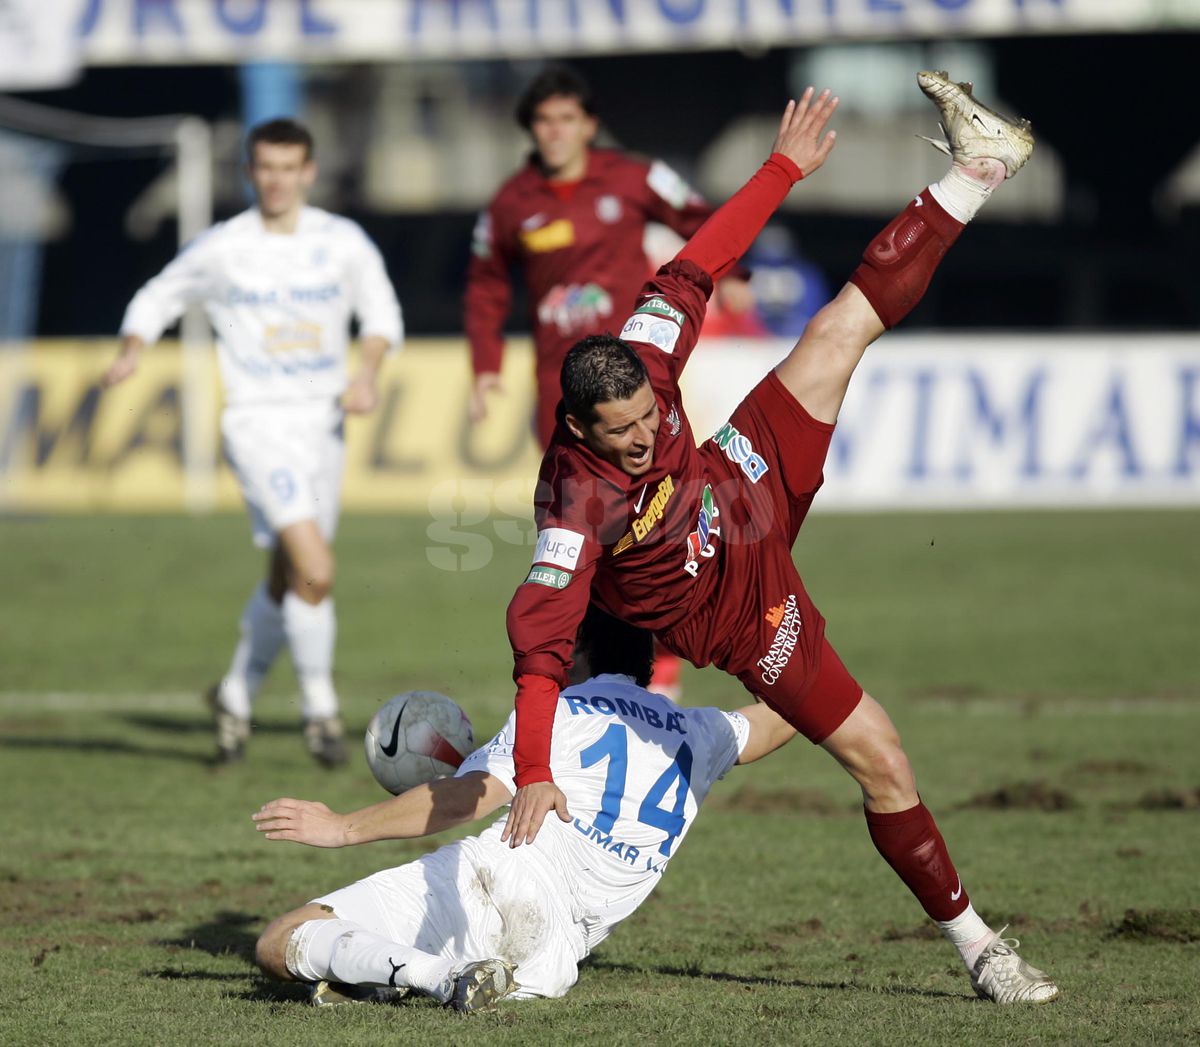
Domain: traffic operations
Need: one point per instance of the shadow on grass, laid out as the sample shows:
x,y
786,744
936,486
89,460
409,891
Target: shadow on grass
x,y
109,746
228,933
167,724
782,983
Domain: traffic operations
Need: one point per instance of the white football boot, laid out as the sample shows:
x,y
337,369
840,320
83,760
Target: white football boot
x,y
232,731
973,131
325,740
1001,976
479,985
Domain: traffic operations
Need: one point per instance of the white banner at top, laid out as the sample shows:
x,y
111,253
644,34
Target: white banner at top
x,y
215,31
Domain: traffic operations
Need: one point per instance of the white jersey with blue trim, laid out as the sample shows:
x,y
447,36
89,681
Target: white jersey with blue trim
x,y
635,768
280,304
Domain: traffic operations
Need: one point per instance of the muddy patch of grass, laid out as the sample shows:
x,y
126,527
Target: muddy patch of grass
x,y
1170,800
1158,925
1021,796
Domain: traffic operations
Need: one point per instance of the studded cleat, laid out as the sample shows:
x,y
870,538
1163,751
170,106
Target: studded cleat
x,y
973,131
478,986
1001,976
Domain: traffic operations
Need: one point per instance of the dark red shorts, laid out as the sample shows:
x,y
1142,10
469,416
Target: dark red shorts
x,y
761,625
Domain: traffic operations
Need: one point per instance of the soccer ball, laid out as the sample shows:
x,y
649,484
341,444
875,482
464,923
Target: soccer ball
x,y
416,737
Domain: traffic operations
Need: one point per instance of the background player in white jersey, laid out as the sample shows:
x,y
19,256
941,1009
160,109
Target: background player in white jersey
x,y
457,923
280,283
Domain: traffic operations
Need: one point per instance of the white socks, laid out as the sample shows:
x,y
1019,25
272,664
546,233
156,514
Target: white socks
x,y
262,637
968,934
343,951
311,630
963,191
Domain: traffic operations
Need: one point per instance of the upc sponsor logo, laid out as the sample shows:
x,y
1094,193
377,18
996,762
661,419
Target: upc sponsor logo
x,y
644,524
785,619
662,334
739,450
551,577
558,546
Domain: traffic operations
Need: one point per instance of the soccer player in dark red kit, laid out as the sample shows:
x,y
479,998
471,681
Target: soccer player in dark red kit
x,y
573,220
695,543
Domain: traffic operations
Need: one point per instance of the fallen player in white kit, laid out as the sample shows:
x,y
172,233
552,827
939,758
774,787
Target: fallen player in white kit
x,y
476,920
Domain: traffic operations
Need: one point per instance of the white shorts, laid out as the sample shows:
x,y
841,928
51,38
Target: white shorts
x,y
469,901
288,460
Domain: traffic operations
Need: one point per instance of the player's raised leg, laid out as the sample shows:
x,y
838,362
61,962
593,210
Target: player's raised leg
x,y
985,149
897,266
310,625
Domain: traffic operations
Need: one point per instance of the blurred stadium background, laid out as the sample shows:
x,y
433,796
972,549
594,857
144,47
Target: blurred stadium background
x,y
1053,362
1038,662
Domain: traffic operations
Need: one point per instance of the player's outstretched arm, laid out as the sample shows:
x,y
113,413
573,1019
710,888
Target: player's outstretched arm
x,y
427,809
768,731
125,363
801,146
802,138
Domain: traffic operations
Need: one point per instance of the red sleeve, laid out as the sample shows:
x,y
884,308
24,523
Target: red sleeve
x,y
545,612
489,291
666,321
726,236
537,701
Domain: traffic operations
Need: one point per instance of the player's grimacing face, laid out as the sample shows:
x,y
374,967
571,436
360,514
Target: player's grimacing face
x,y
282,176
562,131
624,431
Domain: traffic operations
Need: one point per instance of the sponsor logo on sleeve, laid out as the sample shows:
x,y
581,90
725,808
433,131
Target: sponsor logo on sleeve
x,y
558,546
739,450
481,236
662,334
669,185
550,577
784,618
656,305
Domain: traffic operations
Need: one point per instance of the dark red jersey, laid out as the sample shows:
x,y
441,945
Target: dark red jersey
x,y
580,251
639,546
650,549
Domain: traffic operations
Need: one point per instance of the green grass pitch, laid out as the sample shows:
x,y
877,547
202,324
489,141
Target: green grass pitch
x,y
1043,669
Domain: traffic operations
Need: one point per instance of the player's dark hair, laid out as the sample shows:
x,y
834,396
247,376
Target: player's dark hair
x,y
613,646
280,131
554,81
597,369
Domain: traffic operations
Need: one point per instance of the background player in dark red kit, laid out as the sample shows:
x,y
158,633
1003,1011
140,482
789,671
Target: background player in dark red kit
x,y
695,544
572,220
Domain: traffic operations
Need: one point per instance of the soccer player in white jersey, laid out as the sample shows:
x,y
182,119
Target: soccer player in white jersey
x,y
477,920
280,283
